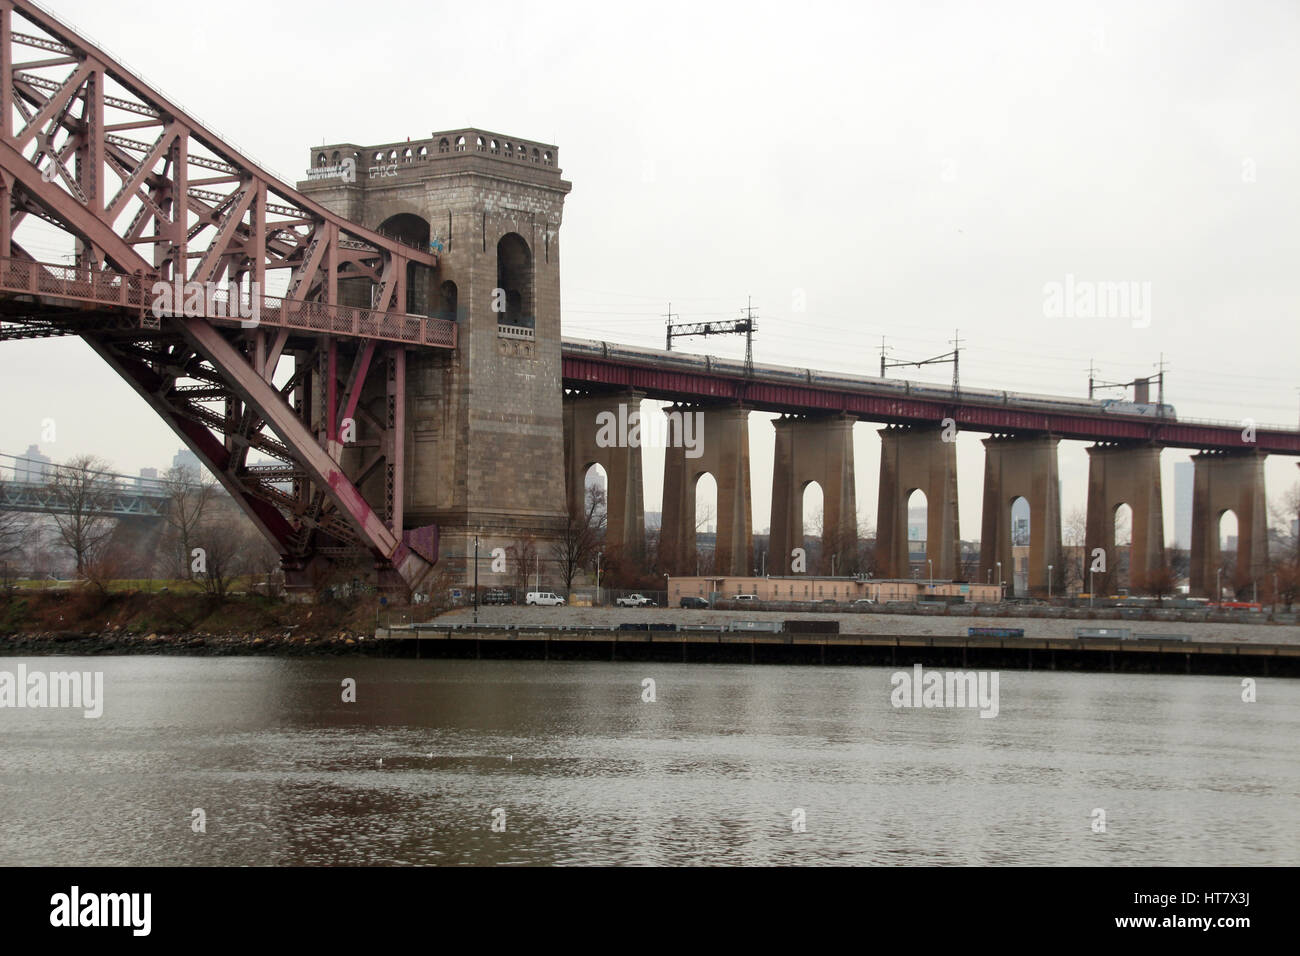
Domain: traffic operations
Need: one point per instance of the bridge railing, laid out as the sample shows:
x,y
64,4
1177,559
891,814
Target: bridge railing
x,y
137,292
32,473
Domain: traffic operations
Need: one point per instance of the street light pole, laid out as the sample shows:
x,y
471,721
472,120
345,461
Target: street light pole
x,y
1001,592
475,579
1218,586
833,557
598,579
930,562
1049,582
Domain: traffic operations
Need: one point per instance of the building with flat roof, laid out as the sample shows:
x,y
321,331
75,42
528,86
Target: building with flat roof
x,y
814,588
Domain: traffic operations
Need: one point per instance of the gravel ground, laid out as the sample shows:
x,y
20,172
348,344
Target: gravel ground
x,y
869,623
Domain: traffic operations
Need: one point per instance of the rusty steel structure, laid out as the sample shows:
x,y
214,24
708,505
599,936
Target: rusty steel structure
x,y
173,234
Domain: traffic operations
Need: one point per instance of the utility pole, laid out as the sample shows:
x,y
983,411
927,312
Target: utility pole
x,y
669,336
883,350
1160,377
955,342
1091,373
749,336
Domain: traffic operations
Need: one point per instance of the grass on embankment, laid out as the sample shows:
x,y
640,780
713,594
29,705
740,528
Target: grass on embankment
x,y
87,611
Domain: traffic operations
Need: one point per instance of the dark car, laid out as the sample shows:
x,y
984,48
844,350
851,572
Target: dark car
x,y
694,602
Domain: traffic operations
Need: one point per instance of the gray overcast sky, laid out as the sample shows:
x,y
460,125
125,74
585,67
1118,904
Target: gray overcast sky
x,y
906,168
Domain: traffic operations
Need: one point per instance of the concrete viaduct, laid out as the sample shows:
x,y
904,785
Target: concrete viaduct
x,y
813,442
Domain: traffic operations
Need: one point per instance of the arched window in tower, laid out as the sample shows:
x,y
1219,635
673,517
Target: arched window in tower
x,y
515,279
448,301
421,289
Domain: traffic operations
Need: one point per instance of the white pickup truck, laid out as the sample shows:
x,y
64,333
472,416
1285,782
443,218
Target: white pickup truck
x,y
634,600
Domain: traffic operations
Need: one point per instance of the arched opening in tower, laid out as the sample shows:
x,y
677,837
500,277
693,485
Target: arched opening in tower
x,y
514,302
421,280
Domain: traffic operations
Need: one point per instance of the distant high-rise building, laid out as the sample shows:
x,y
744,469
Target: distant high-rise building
x,y
148,476
186,460
1184,476
33,466
1020,531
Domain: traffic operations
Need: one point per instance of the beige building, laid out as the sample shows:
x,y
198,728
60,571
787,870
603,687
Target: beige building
x,y
814,588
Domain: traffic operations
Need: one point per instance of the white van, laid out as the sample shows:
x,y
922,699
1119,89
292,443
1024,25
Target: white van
x,y
746,597
544,599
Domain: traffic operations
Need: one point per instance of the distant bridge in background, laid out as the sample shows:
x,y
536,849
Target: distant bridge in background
x,y
41,487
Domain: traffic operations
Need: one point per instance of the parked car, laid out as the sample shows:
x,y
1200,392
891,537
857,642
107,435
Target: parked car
x,y
694,602
862,602
635,600
544,599
745,597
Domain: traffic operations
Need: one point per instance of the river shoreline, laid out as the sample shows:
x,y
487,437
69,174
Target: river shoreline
x,y
75,644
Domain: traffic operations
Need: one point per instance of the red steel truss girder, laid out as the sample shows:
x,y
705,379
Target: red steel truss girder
x,y
234,233
678,385
332,505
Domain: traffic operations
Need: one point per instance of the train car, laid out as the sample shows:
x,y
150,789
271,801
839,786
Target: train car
x,y
735,368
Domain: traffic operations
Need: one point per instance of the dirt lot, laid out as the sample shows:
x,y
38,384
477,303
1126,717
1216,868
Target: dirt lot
x,y
869,623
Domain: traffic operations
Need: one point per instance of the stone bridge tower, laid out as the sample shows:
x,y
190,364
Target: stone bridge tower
x,y
484,426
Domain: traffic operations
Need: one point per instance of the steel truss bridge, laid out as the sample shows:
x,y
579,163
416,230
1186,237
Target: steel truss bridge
x,y
152,199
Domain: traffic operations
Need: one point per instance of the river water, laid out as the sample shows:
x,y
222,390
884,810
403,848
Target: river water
x,y
579,769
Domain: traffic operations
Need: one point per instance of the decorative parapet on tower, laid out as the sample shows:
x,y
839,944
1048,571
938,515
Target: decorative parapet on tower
x,y
349,162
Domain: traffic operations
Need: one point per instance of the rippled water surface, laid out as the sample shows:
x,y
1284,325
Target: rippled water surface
x,y
586,772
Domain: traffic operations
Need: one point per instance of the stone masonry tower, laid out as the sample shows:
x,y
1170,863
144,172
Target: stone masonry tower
x,y
484,424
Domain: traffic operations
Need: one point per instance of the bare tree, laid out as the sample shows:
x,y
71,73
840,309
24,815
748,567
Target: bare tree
x,y
264,561
1074,538
1284,512
82,491
1286,574
225,547
189,500
16,529
584,531
520,558
1162,579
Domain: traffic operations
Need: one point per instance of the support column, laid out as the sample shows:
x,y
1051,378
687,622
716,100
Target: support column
x,y
720,448
607,430
820,450
1228,481
1124,474
1021,468
912,459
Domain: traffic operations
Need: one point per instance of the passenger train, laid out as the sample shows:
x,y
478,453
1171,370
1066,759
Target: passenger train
x,y
735,368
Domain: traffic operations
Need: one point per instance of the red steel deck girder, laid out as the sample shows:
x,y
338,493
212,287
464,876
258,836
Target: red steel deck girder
x,y
146,193
684,386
